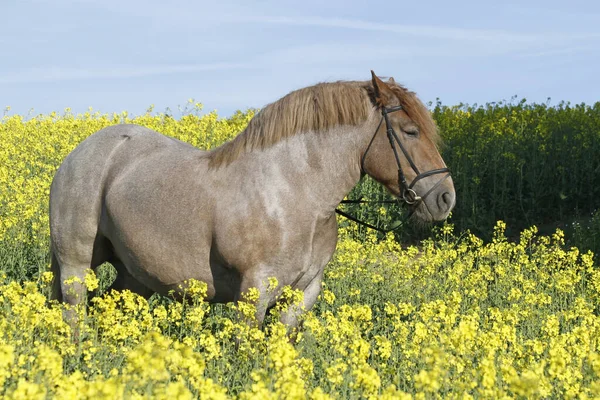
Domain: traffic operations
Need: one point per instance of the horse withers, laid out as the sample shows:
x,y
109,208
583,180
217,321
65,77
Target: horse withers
x,y
262,205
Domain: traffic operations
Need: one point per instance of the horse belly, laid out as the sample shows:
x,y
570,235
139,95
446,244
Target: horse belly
x,y
158,266
162,242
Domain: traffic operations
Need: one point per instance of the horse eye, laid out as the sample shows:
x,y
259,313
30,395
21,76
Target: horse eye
x,y
412,131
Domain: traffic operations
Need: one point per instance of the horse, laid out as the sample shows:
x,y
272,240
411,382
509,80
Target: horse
x,y
262,205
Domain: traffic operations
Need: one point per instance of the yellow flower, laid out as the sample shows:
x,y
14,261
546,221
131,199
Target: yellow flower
x,y
449,317
427,381
335,372
384,347
91,281
328,296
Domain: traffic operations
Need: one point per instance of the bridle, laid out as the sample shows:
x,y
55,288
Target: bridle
x,y
409,195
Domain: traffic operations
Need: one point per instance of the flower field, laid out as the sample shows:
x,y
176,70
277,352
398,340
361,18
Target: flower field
x,y
451,318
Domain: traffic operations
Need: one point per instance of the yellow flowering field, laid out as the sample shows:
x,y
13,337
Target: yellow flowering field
x,y
451,318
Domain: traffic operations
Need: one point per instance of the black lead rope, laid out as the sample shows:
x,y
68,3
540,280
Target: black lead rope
x,y
408,194
360,201
394,226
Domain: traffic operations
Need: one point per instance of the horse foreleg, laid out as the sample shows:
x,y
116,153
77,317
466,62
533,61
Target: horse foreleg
x,y
254,280
291,316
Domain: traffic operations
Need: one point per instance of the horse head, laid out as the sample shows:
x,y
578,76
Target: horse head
x,y
403,153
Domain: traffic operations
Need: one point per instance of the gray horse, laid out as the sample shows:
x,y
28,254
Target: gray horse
x,y
262,205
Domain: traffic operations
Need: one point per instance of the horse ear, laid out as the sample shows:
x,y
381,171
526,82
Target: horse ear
x,y
392,81
383,93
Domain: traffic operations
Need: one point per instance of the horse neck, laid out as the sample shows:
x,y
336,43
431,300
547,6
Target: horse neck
x,y
321,167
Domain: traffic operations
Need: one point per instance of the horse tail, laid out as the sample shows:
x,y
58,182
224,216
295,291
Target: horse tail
x,y
56,292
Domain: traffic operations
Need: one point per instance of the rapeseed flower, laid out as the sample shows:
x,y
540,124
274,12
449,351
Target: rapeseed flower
x,y
456,318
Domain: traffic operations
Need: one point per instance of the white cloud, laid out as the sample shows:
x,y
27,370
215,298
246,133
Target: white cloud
x,y
560,51
53,74
427,31
413,30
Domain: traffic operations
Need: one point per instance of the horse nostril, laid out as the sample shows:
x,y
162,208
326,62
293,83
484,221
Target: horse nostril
x,y
447,200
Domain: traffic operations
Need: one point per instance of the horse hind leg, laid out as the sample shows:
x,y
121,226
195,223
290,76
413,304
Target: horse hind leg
x,y
71,262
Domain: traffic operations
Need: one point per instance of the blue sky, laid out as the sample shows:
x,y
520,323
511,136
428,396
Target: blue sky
x,y
126,55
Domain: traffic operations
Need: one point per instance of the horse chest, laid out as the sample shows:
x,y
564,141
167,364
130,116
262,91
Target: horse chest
x,y
292,252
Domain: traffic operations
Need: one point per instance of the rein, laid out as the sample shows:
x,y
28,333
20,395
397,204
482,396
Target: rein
x,y
409,195
393,227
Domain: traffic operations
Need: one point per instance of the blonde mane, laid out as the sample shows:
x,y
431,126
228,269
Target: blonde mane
x,y
317,108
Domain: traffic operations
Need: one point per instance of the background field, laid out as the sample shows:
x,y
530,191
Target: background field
x,y
524,164
481,308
